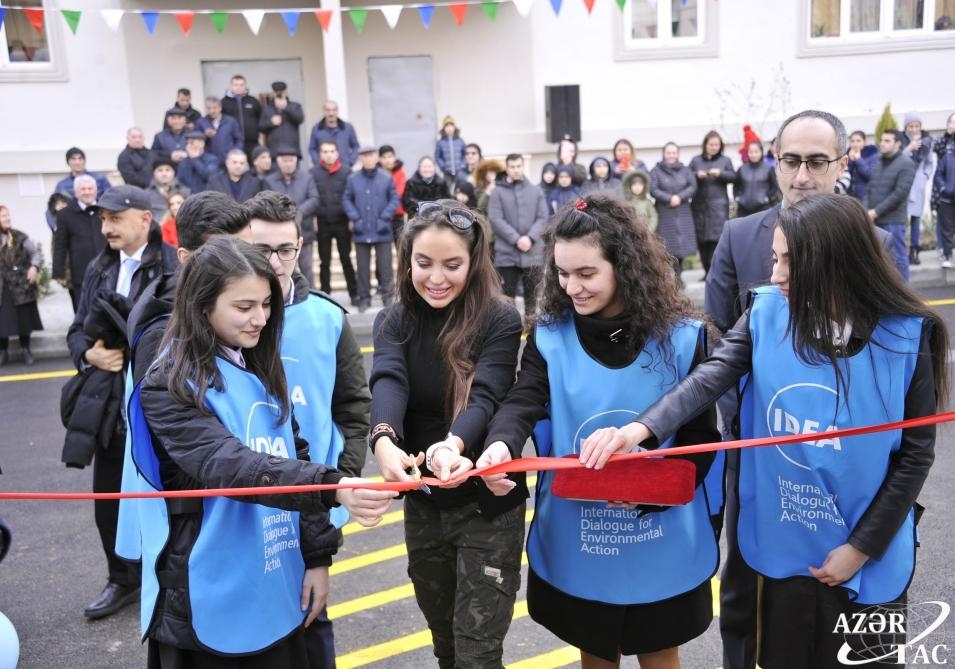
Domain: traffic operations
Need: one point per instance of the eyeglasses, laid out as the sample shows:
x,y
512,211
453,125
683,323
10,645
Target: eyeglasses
x,y
284,252
459,217
815,166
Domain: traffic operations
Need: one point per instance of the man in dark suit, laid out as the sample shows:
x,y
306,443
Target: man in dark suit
x,y
811,156
134,255
236,180
77,237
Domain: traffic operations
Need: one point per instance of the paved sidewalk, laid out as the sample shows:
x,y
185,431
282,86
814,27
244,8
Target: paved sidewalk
x,y
57,312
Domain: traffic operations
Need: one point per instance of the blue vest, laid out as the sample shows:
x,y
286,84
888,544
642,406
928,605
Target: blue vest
x,y
128,541
799,501
586,549
309,343
245,570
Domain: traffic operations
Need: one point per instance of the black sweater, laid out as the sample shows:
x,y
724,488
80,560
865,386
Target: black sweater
x,y
528,400
409,392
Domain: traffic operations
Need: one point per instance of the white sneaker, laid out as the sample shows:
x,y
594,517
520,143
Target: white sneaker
x,y
947,264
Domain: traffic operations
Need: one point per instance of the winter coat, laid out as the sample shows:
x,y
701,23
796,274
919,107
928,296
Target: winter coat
x,y
638,165
516,209
246,112
561,196
370,201
646,212
417,190
945,178
611,186
401,180
158,203
15,262
344,137
860,171
449,154
285,135
225,138
166,141
889,189
676,223
330,184
922,158
78,236
136,166
755,188
194,173
249,185
711,203
303,191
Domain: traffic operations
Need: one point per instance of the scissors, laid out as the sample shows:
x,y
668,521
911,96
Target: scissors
x,y
416,475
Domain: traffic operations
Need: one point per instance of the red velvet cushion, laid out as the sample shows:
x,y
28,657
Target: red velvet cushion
x,y
658,481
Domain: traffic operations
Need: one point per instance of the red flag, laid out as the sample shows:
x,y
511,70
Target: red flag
x,y
185,21
35,17
324,17
590,5
458,10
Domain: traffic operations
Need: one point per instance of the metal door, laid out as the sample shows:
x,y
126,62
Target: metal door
x,y
402,106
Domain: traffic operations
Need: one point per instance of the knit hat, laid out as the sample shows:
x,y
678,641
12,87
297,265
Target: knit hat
x,y
749,135
259,150
448,119
912,117
565,169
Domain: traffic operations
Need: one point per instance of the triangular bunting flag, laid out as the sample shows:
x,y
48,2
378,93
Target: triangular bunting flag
x,y
72,18
254,18
185,21
621,3
426,12
589,4
358,18
112,17
555,5
324,17
150,19
291,21
219,19
35,17
458,10
523,7
3,13
490,8
391,12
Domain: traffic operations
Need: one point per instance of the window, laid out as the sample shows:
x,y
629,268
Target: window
x,y
866,26
652,29
27,40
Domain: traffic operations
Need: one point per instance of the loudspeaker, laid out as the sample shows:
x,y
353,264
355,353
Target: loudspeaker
x,y
562,105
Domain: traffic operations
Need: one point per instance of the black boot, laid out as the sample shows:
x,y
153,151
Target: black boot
x,y
4,356
914,256
28,357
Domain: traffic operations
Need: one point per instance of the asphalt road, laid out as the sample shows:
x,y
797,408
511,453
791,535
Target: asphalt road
x,y
55,566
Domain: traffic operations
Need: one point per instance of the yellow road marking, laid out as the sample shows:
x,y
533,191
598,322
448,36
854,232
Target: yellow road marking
x,y
940,303
374,600
367,559
402,644
562,657
38,376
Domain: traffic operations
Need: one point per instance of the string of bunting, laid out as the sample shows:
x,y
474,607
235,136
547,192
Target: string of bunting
x,y
530,464
290,17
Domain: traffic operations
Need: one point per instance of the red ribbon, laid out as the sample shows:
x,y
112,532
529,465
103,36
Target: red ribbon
x,y
534,464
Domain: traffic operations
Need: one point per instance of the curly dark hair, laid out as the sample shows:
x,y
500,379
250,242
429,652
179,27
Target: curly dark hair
x,y
646,285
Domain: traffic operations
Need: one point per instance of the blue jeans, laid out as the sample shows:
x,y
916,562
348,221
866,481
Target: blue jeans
x,y
915,223
898,250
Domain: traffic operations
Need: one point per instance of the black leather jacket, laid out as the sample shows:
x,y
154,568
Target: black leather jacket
x,y
908,467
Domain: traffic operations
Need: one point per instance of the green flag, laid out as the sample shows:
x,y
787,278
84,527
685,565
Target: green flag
x,y
72,17
490,8
219,19
358,18
621,3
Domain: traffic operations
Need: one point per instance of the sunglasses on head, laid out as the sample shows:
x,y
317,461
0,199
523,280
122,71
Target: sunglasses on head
x,y
459,217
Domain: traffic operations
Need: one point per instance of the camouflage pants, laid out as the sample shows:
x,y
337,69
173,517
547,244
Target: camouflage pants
x,y
466,572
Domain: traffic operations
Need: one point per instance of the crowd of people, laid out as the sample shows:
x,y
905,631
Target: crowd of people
x,y
206,361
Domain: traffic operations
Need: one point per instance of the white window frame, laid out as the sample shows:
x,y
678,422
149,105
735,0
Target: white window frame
x,y
54,70
886,38
702,45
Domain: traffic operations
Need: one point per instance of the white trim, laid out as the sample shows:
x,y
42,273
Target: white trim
x,y
702,45
55,70
885,39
